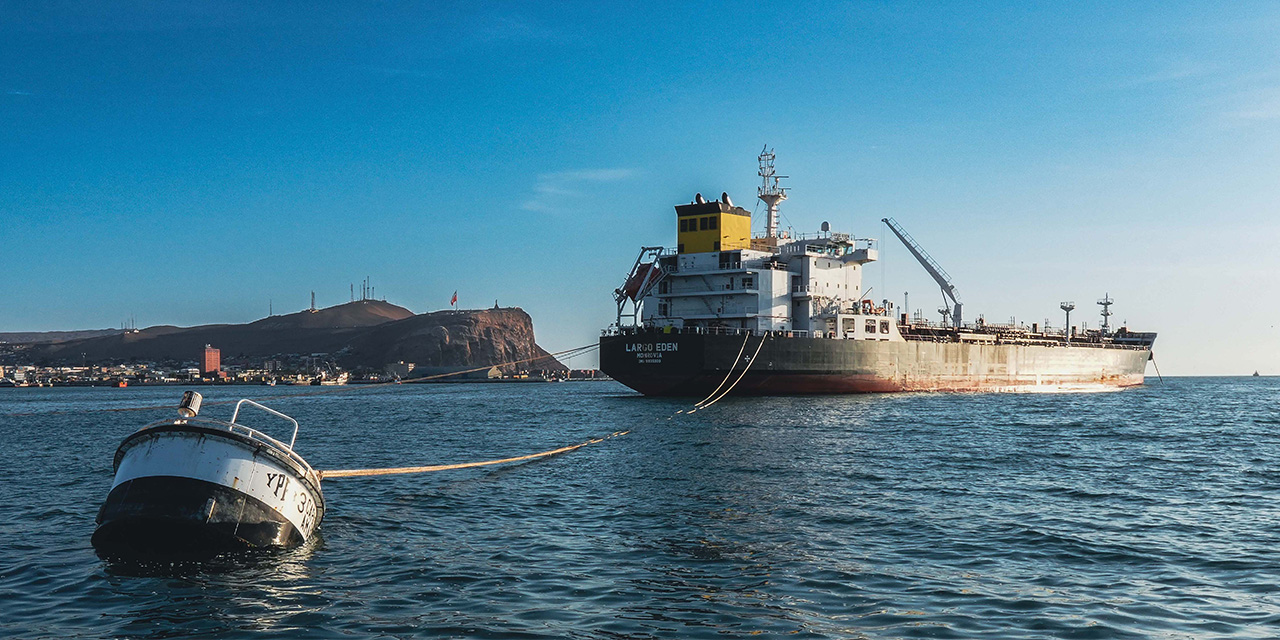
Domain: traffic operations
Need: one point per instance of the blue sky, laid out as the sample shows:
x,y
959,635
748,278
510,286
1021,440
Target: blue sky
x,y
187,162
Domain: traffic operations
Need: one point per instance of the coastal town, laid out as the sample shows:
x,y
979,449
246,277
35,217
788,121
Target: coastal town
x,y
208,367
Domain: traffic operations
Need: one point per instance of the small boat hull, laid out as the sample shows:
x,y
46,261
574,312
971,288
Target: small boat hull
x,y
195,487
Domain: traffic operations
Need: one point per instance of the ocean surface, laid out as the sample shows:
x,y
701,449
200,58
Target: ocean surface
x,y
1152,512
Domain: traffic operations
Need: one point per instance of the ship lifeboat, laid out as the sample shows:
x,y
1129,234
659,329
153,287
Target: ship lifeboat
x,y
192,486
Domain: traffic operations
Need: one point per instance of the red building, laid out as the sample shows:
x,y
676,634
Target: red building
x,y
212,360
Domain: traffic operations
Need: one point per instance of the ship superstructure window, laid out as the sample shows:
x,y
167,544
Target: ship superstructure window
x,y
871,326
748,283
884,326
704,225
730,259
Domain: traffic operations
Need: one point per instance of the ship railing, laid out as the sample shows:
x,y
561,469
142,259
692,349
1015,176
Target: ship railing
x,y
235,427
944,334
235,414
1028,341
258,435
707,331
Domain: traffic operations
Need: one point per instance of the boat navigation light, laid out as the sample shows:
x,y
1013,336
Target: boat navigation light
x,y
190,405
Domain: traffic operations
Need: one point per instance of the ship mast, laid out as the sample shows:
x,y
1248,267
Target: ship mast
x,y
769,192
1106,303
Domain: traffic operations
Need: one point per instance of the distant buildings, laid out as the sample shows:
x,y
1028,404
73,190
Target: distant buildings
x,y
212,361
400,369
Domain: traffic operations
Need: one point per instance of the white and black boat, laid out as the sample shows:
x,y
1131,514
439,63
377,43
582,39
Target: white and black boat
x,y
190,486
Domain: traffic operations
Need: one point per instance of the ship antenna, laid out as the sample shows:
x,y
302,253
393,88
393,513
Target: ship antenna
x,y
769,191
1106,303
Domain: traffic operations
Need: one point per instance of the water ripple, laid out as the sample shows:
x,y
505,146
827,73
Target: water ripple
x,y
1120,515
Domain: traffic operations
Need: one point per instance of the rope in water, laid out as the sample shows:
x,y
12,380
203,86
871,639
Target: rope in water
x,y
386,471
732,366
356,473
568,353
735,382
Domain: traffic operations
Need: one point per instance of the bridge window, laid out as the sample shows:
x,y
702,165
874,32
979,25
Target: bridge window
x,y
684,224
871,326
748,283
712,223
884,326
702,224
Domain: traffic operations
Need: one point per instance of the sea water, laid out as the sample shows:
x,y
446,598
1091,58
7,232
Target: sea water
x,y
1151,512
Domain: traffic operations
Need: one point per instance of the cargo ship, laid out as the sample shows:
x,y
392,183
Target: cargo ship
x,y
728,312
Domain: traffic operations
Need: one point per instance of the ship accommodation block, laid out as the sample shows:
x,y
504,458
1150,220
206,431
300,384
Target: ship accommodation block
x,y
721,277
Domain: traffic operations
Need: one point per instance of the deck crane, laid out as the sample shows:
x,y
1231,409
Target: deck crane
x,y
939,274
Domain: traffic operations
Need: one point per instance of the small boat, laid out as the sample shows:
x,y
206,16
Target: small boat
x,y
191,486
1255,373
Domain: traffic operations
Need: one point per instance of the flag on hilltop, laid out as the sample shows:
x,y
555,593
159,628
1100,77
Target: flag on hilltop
x,y
454,302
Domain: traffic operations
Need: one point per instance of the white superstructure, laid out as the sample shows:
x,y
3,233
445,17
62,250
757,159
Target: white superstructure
x,y
802,285
720,276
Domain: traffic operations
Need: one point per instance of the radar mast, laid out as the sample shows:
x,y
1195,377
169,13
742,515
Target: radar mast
x,y
769,192
1106,303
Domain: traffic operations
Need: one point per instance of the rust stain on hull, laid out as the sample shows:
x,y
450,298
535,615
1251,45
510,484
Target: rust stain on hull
x,y
694,365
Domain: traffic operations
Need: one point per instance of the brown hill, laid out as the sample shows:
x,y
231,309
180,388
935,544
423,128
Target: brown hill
x,y
452,340
325,331
357,334
363,313
36,337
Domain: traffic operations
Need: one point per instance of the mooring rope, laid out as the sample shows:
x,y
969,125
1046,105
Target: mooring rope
x,y
732,366
735,382
356,473
576,351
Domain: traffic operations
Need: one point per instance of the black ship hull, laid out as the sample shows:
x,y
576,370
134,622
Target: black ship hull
x,y
684,363
183,517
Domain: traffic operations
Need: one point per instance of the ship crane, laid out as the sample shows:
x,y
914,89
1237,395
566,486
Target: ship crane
x,y
939,274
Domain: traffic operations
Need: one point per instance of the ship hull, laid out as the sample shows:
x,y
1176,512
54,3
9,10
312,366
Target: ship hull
x,y
690,364
188,490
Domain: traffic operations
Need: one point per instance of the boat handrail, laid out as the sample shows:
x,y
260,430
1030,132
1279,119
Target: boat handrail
x,y
253,434
236,413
